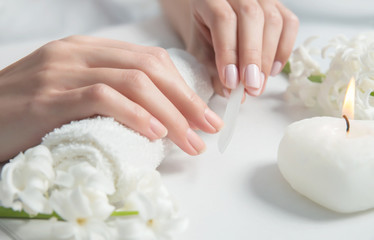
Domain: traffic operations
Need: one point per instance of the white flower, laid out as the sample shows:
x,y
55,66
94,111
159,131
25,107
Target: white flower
x,y
88,229
137,180
81,193
79,204
85,194
80,196
84,175
349,58
301,89
25,181
158,217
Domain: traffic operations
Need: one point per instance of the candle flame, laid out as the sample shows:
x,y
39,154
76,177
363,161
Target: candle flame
x,y
349,100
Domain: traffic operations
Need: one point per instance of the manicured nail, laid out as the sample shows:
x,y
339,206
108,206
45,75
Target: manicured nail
x,y
257,92
276,68
226,93
252,76
196,142
231,75
158,130
214,120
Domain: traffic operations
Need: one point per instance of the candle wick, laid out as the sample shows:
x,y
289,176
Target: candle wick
x,y
347,122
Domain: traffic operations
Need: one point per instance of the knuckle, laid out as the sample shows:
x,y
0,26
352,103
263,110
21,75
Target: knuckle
x,y
292,19
253,55
227,53
73,38
251,9
181,123
138,114
152,62
54,47
224,14
37,103
99,92
45,76
273,17
160,53
139,80
267,60
194,99
52,50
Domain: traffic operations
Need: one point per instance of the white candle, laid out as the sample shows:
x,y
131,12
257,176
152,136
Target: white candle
x,y
324,163
328,164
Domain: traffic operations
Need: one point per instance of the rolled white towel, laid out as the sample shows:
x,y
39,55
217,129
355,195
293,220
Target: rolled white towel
x,y
194,74
106,144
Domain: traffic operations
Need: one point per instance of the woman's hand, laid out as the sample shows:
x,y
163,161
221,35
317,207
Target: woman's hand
x,y
238,40
79,77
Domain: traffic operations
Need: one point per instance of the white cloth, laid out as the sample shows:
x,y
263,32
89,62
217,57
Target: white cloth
x,y
103,141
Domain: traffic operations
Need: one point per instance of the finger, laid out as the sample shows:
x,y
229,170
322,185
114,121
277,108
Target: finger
x,y
138,88
287,39
272,31
193,126
250,32
90,41
221,20
100,99
172,85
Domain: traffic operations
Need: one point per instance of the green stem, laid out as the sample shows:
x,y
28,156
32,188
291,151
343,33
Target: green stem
x,y
124,213
313,78
287,68
10,213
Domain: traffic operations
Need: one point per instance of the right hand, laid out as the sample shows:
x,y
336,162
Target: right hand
x,y
79,77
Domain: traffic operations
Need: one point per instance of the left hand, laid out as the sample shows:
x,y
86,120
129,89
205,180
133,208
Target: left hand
x,y
238,40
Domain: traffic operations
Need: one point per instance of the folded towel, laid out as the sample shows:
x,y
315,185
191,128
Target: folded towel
x,y
105,143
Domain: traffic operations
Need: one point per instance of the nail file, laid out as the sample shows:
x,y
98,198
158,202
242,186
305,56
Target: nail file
x,y
231,114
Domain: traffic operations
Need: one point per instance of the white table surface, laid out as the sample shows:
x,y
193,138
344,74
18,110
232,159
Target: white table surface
x,y
241,194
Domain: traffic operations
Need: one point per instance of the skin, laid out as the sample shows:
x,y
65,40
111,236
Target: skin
x,y
79,77
239,32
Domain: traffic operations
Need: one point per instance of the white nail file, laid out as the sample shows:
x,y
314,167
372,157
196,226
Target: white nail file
x,y
231,114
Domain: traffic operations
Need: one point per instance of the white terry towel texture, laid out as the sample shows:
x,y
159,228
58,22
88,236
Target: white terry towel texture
x,y
105,143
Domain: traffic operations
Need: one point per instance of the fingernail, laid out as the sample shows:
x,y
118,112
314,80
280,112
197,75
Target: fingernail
x,y
226,93
276,68
214,120
257,92
231,75
158,130
252,76
196,142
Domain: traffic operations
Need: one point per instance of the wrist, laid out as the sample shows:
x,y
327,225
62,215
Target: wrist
x,y
179,14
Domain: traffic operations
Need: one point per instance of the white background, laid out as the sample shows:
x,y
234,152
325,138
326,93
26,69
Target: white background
x,y
239,194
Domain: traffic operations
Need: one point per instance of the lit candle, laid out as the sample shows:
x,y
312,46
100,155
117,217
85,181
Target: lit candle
x,y
331,160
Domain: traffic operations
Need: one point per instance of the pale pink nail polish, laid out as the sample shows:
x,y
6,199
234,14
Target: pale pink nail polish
x,y
276,68
196,142
231,75
257,92
213,119
252,76
158,130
